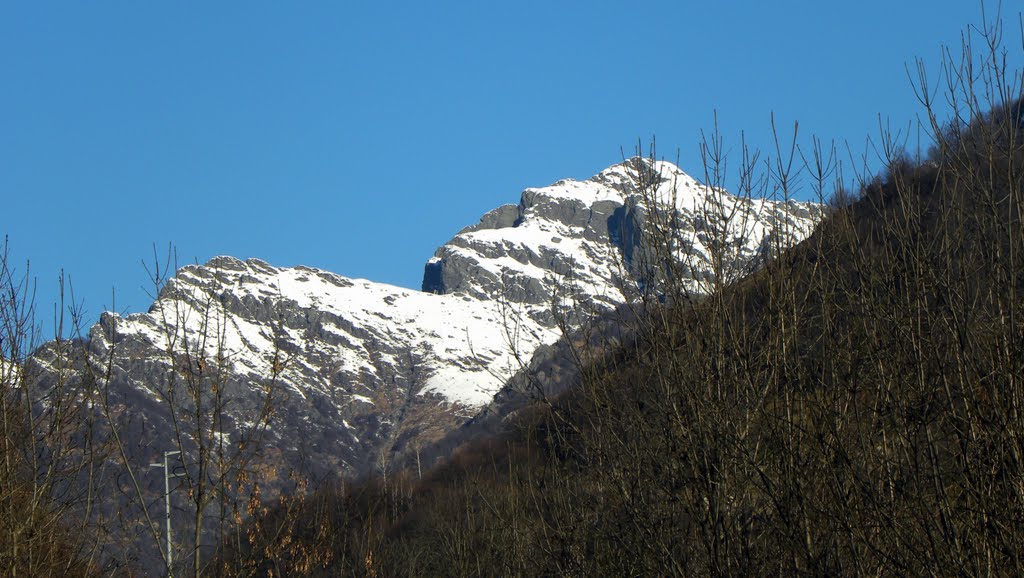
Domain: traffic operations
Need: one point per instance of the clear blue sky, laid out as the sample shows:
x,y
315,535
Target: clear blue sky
x,y
358,136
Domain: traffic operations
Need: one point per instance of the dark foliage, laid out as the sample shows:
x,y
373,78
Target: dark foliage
x,y
855,407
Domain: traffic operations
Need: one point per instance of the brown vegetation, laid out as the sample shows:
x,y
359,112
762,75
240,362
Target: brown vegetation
x,y
855,407
47,479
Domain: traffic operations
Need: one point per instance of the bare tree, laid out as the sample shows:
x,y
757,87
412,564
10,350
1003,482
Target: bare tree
x,y
49,459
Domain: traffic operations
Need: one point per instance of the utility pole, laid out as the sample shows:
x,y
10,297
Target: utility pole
x,y
167,505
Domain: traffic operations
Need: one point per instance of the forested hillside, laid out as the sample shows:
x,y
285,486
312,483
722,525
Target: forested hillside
x,y
855,407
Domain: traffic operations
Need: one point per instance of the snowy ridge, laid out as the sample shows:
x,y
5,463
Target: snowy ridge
x,y
354,326
366,369
585,230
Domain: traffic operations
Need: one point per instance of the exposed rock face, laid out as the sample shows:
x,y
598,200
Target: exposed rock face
x,y
358,369
592,233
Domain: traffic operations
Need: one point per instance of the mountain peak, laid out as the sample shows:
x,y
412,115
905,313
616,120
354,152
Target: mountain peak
x,y
359,366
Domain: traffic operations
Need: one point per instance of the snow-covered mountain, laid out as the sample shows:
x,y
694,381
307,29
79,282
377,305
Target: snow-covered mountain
x,y
357,370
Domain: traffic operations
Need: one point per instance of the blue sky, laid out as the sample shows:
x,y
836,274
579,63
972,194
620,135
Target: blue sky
x,y
358,136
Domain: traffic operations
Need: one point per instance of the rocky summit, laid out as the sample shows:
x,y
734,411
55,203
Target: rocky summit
x,y
356,370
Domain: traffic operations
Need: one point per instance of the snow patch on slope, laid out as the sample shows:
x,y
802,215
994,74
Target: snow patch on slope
x,y
461,345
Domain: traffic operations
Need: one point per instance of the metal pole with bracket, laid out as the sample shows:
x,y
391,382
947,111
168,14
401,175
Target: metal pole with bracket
x,y
167,505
